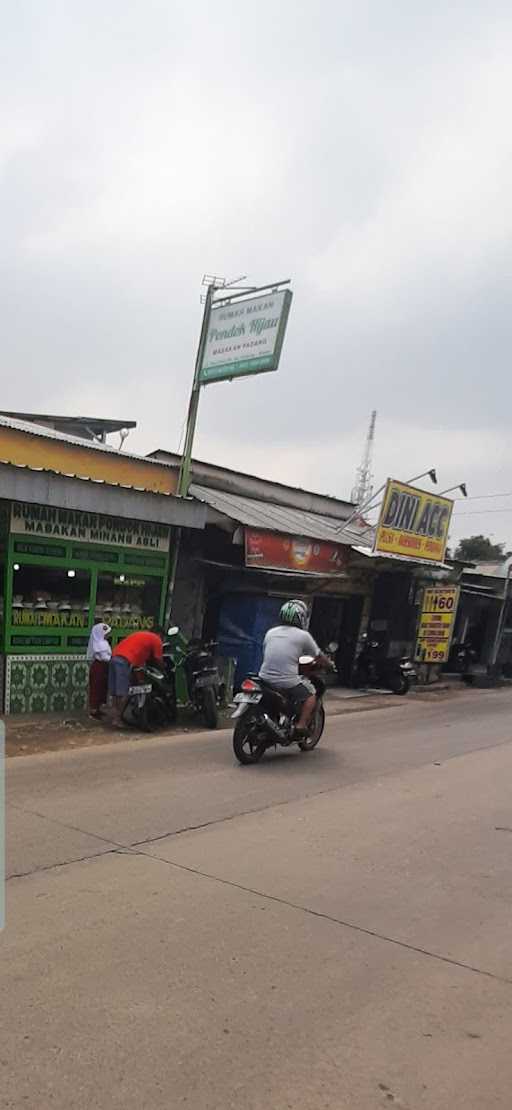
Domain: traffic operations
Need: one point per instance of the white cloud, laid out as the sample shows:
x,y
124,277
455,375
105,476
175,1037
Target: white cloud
x,y
362,150
445,216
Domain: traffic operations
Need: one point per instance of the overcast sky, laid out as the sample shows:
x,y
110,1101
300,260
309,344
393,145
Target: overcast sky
x,y
364,150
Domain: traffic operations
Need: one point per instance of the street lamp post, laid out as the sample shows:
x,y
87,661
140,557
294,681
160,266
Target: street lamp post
x,y
432,474
460,485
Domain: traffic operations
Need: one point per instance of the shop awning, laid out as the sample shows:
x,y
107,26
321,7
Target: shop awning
x,y
269,517
401,559
488,592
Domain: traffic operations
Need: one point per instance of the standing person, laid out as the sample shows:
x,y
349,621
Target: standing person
x,y
282,649
134,651
98,656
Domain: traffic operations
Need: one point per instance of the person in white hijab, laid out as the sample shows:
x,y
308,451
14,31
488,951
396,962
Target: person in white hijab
x,y
99,653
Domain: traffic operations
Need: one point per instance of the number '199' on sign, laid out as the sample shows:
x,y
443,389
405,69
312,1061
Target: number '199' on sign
x,y
436,623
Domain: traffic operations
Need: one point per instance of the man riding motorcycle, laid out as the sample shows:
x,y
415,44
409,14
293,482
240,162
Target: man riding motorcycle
x,y
282,649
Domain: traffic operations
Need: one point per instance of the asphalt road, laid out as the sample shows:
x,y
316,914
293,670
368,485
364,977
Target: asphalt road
x,y
329,930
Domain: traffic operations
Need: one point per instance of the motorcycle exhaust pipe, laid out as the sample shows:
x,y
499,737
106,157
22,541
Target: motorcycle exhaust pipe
x,y
270,724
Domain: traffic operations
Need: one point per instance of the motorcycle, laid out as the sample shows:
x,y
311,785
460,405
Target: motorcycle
x,y
203,680
152,701
203,683
153,696
371,669
462,660
264,718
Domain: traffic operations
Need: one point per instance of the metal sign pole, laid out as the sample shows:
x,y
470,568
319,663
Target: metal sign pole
x,y
186,458
264,317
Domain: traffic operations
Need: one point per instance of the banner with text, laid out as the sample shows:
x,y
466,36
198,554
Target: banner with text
x,y
436,623
245,337
69,524
413,523
272,551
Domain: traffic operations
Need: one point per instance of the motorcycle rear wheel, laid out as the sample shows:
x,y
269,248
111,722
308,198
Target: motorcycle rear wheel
x,y
152,715
210,712
316,730
400,684
246,745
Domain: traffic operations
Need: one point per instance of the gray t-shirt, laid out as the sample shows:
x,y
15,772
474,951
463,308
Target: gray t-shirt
x,y
282,649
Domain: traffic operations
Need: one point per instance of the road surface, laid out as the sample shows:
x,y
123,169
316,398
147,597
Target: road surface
x,y
329,930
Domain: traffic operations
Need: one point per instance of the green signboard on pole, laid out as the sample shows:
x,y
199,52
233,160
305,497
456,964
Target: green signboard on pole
x,y
241,334
244,336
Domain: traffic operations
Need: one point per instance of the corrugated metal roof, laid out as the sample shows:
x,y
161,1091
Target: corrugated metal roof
x,y
203,472
42,432
479,590
276,518
491,569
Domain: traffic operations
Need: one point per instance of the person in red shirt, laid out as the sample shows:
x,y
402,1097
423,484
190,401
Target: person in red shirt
x,y
132,652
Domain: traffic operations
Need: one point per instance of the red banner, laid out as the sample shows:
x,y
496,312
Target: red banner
x,y
277,552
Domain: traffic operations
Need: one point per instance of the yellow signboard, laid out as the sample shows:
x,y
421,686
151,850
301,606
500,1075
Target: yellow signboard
x,y
437,618
413,523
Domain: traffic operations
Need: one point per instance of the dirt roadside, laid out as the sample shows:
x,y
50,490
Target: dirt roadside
x,y
30,735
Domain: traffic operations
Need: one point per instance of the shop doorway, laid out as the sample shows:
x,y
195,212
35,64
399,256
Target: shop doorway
x,y
338,619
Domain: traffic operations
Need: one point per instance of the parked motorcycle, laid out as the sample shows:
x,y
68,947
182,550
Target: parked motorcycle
x,y
203,680
204,687
152,701
461,660
372,669
264,717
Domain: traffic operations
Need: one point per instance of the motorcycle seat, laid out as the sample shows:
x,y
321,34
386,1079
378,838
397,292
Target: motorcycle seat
x,y
277,697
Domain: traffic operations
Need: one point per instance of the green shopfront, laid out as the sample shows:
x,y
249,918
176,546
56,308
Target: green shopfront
x,y
63,570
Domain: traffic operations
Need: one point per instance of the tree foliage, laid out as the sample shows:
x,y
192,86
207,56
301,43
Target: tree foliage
x,y
477,549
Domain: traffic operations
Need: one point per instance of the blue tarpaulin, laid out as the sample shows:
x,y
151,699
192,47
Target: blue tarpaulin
x,y
243,621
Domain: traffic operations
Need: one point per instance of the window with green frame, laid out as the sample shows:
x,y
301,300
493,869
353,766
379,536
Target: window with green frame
x,y
56,591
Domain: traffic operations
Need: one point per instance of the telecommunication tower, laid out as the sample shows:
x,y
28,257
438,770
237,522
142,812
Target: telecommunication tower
x,y
363,488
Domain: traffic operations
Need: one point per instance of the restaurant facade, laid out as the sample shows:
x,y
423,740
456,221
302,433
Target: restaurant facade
x,y
65,569
75,550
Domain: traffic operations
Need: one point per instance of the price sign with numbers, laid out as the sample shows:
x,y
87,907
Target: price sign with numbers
x,y
436,623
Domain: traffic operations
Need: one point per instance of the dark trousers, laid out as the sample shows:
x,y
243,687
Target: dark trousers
x,y
98,685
